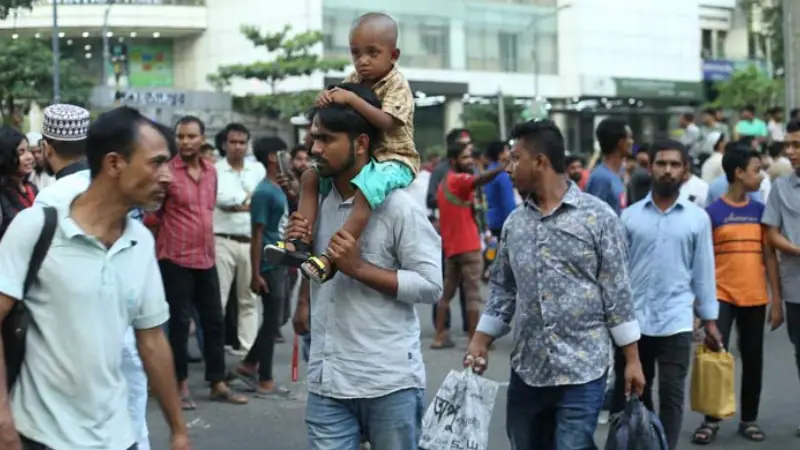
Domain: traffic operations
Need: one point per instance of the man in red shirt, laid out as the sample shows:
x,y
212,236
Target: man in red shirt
x,y
461,239
185,248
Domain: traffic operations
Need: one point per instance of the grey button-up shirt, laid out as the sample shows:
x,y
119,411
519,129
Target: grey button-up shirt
x,y
563,278
365,344
783,212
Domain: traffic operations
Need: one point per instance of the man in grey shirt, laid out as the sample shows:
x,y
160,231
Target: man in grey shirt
x,y
365,370
782,218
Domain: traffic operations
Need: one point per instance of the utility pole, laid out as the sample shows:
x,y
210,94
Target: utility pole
x,y
56,56
106,49
790,76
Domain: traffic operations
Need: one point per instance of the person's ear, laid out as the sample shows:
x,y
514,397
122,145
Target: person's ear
x,y
362,144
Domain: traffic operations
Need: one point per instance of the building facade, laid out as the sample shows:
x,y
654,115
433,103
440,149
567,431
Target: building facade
x,y
583,59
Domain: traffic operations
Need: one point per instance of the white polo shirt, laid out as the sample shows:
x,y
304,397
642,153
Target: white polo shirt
x,y
71,393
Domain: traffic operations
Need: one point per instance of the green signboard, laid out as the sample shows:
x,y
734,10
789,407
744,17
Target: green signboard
x,y
150,65
658,89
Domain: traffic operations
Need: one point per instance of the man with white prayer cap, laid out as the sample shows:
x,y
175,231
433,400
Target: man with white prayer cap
x,y
64,144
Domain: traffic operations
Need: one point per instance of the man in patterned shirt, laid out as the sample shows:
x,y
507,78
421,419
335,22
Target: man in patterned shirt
x,y
562,268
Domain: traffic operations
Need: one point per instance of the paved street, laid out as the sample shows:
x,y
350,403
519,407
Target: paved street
x,y
278,424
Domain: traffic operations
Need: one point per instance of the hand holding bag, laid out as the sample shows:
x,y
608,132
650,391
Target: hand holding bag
x,y
712,388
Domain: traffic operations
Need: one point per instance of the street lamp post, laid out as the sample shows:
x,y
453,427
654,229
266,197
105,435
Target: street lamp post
x,y
106,49
56,55
535,26
789,67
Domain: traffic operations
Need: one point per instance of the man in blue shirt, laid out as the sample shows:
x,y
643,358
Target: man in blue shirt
x,y
670,287
605,182
268,208
500,191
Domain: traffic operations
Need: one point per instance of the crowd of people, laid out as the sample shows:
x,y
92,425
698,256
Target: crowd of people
x,y
606,274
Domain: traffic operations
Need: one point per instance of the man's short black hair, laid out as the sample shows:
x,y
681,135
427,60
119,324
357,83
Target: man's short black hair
x,y
169,135
113,131
572,159
609,132
68,149
340,118
185,120
265,146
749,108
688,116
543,136
737,158
495,149
455,150
669,144
234,127
297,149
775,149
710,111
455,135
794,114
793,126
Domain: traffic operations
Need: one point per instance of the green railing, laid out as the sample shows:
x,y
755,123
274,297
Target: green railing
x,y
129,2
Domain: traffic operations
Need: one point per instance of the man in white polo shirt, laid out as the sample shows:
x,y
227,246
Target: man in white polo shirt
x,y
100,276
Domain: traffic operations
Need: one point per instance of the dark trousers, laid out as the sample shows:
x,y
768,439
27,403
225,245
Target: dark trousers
x,y
553,417
28,444
199,287
750,331
462,300
792,316
264,346
672,356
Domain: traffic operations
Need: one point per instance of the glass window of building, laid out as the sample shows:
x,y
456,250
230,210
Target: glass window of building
x,y
707,44
722,36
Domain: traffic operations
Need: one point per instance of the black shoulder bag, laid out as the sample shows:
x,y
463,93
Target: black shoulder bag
x,y
15,325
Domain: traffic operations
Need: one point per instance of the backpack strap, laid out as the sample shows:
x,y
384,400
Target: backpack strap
x,y
41,247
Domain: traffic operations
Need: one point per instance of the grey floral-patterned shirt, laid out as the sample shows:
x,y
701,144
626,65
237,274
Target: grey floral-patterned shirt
x,y
563,278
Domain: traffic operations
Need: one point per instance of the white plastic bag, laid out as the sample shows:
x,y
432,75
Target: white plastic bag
x,y
458,417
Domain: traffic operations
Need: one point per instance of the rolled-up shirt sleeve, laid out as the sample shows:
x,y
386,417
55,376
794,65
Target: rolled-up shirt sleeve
x,y
496,319
704,284
419,252
614,281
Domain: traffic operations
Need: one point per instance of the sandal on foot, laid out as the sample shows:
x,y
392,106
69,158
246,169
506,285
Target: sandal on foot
x,y
279,255
705,433
751,432
277,392
227,397
187,404
443,345
318,269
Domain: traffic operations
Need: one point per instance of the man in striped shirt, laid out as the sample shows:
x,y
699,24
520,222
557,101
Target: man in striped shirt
x,y
185,247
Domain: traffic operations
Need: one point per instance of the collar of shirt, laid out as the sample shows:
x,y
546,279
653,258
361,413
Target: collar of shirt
x,y
680,203
69,169
178,163
571,198
380,82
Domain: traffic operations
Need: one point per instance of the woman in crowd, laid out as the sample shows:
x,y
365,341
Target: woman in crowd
x,y
16,166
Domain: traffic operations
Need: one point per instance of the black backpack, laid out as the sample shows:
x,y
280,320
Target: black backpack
x,y
15,325
636,428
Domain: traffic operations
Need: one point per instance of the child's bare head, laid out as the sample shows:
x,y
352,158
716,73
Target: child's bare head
x,y
373,45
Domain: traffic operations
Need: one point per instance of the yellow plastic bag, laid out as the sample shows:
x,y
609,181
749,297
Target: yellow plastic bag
x,y
713,388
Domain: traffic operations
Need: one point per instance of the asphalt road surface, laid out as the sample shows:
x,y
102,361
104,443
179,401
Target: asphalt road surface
x,y
278,424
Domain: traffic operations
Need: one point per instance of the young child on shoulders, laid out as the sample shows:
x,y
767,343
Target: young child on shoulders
x,y
373,44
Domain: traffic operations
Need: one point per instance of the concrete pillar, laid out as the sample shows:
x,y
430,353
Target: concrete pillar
x,y
458,45
561,122
791,30
453,108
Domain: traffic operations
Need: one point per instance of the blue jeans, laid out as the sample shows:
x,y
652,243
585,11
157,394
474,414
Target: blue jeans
x,y
553,418
391,422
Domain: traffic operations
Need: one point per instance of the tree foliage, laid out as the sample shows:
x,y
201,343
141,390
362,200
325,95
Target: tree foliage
x,y
749,87
26,74
7,6
293,57
482,120
771,13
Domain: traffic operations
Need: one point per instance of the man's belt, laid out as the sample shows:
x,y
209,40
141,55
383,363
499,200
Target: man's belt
x,y
234,237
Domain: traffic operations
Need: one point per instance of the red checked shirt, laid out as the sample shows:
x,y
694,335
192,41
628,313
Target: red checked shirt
x,y
186,218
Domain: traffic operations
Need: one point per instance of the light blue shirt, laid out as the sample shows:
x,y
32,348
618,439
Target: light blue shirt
x,y
672,266
719,187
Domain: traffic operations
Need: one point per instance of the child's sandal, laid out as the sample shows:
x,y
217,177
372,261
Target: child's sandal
x,y
277,254
318,269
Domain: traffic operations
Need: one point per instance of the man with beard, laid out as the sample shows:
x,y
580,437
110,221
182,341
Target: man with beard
x,y
40,178
461,239
669,288
574,166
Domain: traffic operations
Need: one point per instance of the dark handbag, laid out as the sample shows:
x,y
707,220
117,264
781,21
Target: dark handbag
x,y
636,428
15,325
